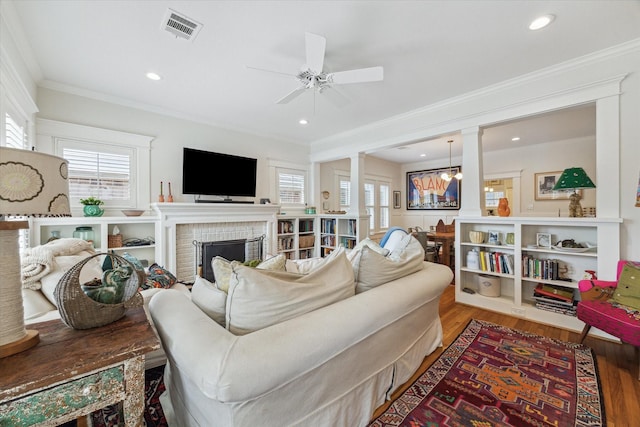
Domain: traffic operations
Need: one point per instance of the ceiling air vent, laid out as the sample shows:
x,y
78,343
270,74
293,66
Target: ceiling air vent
x,y
180,26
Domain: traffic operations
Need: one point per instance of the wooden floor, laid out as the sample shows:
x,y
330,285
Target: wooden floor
x,y
617,363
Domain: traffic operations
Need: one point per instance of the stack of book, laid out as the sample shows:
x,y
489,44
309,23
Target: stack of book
x,y
559,299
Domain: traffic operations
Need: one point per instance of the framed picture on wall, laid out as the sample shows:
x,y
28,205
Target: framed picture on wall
x,y
426,190
544,183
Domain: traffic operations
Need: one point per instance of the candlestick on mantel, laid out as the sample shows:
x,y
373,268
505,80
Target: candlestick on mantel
x,y
161,196
170,196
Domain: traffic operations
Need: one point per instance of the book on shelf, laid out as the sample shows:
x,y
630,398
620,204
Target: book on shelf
x,y
569,311
558,292
553,301
496,262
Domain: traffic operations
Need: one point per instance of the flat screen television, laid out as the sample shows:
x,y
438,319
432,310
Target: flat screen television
x,y
206,173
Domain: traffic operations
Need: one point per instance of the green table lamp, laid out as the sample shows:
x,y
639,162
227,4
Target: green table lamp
x,y
574,179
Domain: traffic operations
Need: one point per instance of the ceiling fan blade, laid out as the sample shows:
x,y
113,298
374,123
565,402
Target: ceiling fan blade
x,y
270,71
360,75
291,95
315,46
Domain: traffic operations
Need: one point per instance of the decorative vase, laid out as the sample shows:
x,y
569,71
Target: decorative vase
x,y
503,207
92,210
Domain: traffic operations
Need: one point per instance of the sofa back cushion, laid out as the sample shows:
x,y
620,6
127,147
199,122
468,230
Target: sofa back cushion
x,y
372,269
260,298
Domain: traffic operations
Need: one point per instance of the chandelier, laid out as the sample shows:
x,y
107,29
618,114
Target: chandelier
x,y
448,176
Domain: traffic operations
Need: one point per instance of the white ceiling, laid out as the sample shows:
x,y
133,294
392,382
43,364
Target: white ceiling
x,y
430,51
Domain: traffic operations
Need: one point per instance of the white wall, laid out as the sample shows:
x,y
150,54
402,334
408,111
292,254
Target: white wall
x,y
170,135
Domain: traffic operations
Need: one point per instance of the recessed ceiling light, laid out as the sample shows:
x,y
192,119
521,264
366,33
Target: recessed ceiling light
x,y
541,22
423,155
153,76
515,138
303,121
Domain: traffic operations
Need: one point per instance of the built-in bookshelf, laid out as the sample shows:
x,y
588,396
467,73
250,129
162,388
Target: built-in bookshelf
x,y
522,267
137,234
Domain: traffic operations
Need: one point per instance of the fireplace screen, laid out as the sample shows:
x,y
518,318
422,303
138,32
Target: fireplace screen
x,y
232,250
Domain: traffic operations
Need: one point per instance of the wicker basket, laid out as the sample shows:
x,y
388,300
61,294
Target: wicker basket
x,y
306,241
114,241
79,311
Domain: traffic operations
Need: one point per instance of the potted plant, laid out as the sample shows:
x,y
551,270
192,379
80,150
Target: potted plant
x,y
92,206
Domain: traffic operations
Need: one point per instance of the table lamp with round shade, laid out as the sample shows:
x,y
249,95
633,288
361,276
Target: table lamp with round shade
x,y
31,184
574,179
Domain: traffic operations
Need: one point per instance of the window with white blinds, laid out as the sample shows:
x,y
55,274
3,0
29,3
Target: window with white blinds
x,y
100,170
15,133
16,137
99,174
383,207
345,193
291,187
377,196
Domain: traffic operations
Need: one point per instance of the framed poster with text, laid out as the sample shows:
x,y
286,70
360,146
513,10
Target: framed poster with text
x,y
426,190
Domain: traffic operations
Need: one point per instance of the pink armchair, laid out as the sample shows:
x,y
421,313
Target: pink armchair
x,y
601,314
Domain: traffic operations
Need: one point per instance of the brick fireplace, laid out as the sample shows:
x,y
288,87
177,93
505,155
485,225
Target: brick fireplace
x,y
182,224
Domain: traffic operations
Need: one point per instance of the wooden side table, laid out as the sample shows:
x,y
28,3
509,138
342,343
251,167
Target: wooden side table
x,y
72,373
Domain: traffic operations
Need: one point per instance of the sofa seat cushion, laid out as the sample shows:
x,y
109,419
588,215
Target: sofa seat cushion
x,y
260,298
372,269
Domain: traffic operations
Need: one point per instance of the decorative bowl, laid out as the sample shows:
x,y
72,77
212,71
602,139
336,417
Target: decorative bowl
x,y
476,236
133,212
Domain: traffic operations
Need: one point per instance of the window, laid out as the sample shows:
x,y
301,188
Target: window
x,y
99,174
345,193
291,185
384,206
111,165
492,197
99,170
15,133
370,203
16,137
377,197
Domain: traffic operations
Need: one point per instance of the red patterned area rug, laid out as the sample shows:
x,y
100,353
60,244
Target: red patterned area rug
x,y
111,416
492,375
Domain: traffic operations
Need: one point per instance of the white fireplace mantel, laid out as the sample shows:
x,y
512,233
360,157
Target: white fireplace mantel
x,y
171,215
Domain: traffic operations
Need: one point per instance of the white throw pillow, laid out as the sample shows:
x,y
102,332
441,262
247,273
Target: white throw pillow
x,y
306,266
371,244
221,272
276,262
222,268
209,299
373,269
260,298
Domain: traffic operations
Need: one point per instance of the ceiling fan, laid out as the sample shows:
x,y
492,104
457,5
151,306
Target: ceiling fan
x,y
312,76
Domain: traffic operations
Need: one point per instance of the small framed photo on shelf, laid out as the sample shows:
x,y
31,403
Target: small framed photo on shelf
x,y
543,240
493,237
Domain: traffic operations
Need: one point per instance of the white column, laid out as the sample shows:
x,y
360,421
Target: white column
x,y
357,205
607,157
472,193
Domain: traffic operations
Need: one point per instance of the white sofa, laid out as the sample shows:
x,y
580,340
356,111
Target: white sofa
x,y
332,366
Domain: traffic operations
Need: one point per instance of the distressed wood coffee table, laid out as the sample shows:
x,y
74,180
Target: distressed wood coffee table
x,y
72,373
